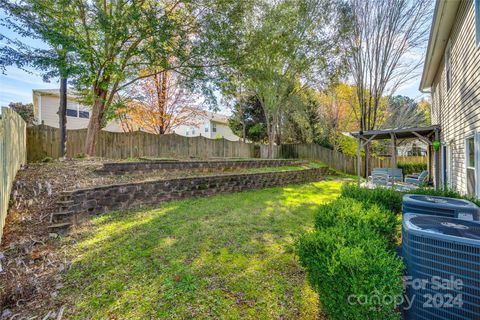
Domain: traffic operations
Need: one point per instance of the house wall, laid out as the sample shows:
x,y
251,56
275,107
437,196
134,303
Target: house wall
x,y
458,109
46,111
222,130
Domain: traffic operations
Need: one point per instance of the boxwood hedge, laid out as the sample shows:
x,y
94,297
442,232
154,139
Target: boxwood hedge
x,y
350,260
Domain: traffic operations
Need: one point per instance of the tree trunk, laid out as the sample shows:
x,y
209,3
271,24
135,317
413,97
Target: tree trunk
x,y
95,124
62,116
244,127
161,82
270,138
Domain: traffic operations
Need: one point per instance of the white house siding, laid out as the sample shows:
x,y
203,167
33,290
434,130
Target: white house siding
x,y
458,109
222,130
46,111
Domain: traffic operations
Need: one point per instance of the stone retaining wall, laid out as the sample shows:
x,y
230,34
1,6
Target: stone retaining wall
x,y
77,203
169,165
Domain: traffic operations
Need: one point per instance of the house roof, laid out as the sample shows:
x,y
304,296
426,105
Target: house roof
x,y
401,133
217,117
51,92
443,20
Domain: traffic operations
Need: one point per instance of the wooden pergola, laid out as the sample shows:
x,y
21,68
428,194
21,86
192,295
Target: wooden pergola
x,y
397,137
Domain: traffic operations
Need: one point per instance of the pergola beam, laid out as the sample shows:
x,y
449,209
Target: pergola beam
x,y
369,139
422,138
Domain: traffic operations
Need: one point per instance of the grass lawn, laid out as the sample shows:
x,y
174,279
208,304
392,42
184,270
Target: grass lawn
x,y
228,256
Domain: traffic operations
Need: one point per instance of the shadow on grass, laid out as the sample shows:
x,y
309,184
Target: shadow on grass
x,y
228,256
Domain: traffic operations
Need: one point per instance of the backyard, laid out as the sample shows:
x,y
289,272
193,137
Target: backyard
x,y
229,256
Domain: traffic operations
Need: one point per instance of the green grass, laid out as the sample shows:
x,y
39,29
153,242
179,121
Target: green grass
x,y
228,256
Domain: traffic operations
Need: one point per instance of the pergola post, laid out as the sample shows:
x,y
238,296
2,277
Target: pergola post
x,y
359,160
437,163
394,156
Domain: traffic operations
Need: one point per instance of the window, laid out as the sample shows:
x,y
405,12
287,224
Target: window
x,y
77,111
206,128
470,152
186,133
214,127
193,131
448,65
84,114
72,113
477,21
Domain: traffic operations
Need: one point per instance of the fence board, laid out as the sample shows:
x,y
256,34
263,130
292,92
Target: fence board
x,y
12,156
42,141
333,159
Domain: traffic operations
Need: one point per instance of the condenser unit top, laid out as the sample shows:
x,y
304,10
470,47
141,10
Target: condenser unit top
x,y
444,228
440,201
440,206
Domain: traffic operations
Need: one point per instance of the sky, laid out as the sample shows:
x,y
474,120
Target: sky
x,y
16,85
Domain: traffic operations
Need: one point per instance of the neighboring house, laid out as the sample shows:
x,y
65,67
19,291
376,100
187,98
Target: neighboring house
x,y
210,125
452,74
46,103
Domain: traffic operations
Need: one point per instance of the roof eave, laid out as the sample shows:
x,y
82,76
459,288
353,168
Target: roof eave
x,y
443,20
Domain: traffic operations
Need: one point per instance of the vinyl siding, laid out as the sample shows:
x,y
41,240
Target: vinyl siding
x,y
46,112
458,109
223,130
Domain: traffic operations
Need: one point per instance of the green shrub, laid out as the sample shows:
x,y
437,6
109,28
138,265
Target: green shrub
x,y
346,263
392,200
350,255
387,198
355,214
412,167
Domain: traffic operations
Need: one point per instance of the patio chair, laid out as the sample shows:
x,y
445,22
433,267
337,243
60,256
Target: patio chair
x,y
418,180
380,179
396,174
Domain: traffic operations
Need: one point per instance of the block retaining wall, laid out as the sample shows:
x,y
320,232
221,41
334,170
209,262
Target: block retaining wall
x,y
169,165
74,205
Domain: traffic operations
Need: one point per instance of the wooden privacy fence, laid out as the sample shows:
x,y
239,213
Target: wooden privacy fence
x,y
334,159
43,141
415,159
13,154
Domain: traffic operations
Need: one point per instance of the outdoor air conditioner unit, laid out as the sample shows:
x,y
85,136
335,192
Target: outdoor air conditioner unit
x,y
441,206
442,257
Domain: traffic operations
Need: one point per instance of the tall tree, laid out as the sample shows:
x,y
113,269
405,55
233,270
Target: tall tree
x,y
248,120
110,41
384,37
404,112
385,34
288,43
159,104
338,111
35,20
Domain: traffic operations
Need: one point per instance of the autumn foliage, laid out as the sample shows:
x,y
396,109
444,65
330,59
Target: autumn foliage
x,y
159,104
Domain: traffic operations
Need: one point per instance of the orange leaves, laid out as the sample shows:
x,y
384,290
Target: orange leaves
x,y
159,104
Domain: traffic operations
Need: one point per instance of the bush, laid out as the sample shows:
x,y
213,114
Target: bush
x,y
349,256
355,214
392,200
350,253
386,198
412,167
